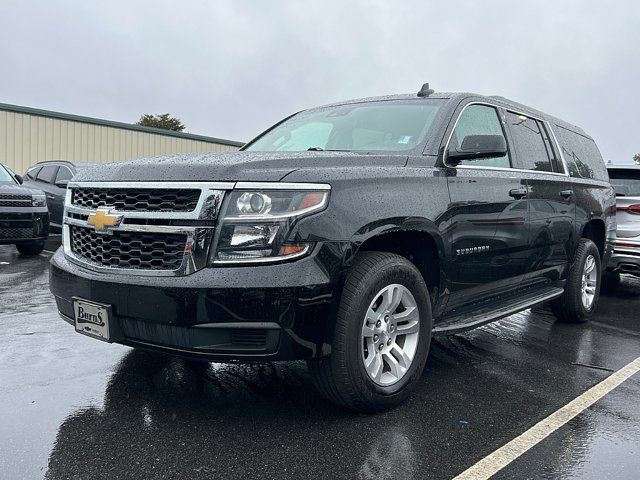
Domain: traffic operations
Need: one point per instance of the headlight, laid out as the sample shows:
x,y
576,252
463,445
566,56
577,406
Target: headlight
x,y
256,223
38,200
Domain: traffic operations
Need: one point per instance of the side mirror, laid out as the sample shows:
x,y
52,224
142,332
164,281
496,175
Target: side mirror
x,y
19,179
62,183
475,147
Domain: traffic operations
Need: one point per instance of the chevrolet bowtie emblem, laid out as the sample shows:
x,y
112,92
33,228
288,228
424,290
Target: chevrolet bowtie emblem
x,y
102,221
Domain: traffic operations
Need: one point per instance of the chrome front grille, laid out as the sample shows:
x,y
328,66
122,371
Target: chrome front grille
x,y
142,228
137,199
138,250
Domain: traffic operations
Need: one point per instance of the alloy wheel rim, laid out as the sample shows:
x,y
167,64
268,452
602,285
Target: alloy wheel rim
x,y
589,282
389,338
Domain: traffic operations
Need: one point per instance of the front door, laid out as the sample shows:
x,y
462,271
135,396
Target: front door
x,y
487,227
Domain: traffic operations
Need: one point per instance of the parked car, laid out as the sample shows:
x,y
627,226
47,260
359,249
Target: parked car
x,y
52,177
345,235
626,256
24,220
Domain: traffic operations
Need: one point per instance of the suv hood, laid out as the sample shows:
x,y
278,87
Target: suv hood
x,y
233,166
7,189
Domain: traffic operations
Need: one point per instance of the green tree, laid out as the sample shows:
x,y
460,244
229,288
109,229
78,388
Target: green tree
x,y
636,158
162,120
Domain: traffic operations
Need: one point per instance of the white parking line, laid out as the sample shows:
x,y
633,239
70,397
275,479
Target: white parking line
x,y
496,461
49,251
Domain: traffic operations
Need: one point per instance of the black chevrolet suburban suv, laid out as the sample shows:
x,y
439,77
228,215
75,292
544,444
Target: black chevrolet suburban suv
x,y
24,220
345,235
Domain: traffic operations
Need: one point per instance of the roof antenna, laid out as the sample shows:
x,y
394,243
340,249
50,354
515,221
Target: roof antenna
x,y
425,91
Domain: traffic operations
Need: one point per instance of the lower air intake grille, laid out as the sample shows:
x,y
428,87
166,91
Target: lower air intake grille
x,y
248,336
137,250
8,233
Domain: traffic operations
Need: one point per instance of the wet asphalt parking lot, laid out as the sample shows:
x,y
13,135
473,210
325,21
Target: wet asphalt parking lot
x,y
75,408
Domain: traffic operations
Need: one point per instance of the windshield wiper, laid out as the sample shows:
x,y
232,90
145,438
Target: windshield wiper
x,y
320,149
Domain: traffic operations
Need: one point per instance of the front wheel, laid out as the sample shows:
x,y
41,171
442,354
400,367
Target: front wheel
x,y
381,337
582,289
30,249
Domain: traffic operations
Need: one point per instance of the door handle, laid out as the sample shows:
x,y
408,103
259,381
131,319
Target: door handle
x,y
566,193
50,196
518,193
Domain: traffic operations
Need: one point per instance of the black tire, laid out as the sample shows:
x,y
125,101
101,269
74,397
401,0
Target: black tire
x,y
30,249
610,281
569,307
341,377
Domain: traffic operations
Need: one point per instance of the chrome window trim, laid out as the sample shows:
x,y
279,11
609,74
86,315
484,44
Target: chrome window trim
x,y
502,120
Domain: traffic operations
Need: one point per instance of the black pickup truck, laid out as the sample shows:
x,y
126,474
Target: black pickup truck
x,y
345,235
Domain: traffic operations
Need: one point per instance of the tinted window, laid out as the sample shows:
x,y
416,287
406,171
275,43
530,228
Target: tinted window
x,y
529,143
33,172
47,174
479,120
373,126
63,174
625,181
582,155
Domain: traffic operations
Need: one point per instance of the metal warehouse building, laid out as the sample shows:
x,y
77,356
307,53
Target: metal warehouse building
x,y
29,135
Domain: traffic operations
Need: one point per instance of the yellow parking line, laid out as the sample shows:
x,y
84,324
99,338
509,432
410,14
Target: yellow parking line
x,y
496,461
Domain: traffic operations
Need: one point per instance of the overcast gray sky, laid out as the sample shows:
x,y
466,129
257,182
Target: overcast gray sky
x,y
231,68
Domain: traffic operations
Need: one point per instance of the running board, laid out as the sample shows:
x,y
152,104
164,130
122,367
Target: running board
x,y
475,317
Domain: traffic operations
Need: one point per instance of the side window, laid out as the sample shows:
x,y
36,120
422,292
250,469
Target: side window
x,y
31,173
532,151
582,155
63,174
47,174
479,120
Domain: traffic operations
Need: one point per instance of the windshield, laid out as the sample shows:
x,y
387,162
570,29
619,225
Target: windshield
x,y
626,182
5,176
379,126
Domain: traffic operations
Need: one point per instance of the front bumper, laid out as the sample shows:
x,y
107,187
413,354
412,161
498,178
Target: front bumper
x,y
23,225
260,313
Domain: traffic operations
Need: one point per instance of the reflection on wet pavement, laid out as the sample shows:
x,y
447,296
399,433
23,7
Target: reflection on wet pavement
x,y
74,407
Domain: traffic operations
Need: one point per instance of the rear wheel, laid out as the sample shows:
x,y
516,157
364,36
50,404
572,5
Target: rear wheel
x,y
381,337
582,290
30,249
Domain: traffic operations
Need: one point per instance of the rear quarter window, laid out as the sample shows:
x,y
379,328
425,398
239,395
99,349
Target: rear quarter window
x,y
582,155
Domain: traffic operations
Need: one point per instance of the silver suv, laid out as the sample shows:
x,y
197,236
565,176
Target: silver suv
x,y
626,182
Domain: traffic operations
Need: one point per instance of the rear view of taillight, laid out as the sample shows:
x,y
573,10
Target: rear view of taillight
x,y
630,209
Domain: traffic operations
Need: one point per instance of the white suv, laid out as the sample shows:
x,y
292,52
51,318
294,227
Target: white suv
x,y
626,258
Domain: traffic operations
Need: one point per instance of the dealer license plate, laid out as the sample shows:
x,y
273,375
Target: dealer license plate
x,y
92,318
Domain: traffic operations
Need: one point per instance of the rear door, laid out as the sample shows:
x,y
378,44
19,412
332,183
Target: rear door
x,y
487,219
550,195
